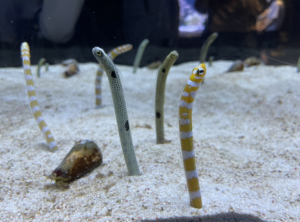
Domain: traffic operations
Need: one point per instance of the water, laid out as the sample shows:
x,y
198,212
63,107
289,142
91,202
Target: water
x,y
61,30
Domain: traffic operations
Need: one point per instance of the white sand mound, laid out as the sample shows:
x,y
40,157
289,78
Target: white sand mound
x,y
246,134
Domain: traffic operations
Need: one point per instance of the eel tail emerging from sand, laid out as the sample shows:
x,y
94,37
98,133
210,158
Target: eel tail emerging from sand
x,y
25,54
40,64
120,109
160,95
139,54
112,54
46,67
98,87
206,45
186,134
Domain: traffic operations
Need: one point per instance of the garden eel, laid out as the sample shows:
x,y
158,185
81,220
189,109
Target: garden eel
x,y
25,54
120,109
46,67
206,45
139,54
38,71
112,54
186,134
210,60
160,95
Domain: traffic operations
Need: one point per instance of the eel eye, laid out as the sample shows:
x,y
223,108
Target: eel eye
x,y
99,53
200,71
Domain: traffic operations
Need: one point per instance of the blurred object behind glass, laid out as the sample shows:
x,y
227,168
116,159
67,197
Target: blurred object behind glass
x,y
191,22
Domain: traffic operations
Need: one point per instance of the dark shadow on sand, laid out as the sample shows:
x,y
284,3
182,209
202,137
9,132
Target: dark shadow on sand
x,y
228,217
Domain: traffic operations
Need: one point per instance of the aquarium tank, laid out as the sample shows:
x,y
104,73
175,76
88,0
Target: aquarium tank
x,y
64,29
144,110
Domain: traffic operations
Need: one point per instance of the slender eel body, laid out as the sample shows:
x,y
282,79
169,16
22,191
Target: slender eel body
x,y
210,60
186,134
139,54
119,50
120,110
160,95
25,54
40,64
206,45
98,86
46,67
112,54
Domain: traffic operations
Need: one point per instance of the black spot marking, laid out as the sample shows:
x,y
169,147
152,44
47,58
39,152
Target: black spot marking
x,y
157,115
163,70
127,125
113,74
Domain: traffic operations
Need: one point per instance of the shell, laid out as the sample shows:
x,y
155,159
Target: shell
x,y
252,61
84,156
71,70
238,65
154,65
68,62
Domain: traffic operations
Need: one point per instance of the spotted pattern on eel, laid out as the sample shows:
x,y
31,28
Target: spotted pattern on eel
x,y
186,134
25,54
112,54
120,109
160,95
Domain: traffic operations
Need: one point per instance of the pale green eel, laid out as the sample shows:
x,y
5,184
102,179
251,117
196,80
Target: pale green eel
x,y
120,109
160,95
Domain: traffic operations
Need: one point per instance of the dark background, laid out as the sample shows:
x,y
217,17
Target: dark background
x,y
158,21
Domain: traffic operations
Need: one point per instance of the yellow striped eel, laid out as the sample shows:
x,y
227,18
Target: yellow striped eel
x,y
160,95
119,50
120,109
139,54
25,54
186,134
112,54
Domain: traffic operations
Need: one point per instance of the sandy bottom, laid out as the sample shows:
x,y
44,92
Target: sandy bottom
x,y
246,136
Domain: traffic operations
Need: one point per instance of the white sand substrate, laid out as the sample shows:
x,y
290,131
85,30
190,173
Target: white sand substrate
x,y
246,138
